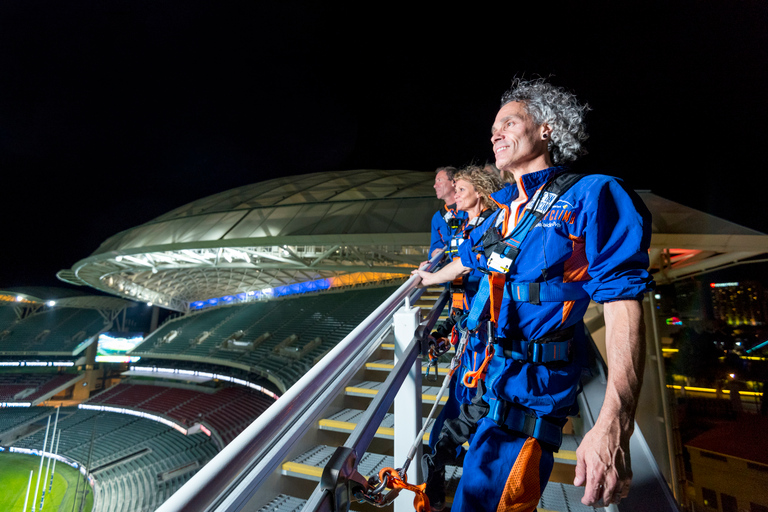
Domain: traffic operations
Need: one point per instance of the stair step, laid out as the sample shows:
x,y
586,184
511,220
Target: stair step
x,y
283,503
558,497
310,464
370,388
386,365
346,421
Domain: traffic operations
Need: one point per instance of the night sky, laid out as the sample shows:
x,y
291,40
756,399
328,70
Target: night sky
x,y
115,112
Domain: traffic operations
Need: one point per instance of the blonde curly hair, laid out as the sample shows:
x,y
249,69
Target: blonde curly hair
x,y
484,182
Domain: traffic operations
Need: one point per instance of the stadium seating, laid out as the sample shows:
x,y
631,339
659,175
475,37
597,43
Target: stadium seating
x,y
227,411
328,316
58,330
31,387
7,319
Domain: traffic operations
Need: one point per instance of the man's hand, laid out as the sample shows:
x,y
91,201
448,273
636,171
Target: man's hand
x,y
603,463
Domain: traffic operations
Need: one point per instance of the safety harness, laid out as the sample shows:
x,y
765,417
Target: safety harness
x,y
501,249
451,218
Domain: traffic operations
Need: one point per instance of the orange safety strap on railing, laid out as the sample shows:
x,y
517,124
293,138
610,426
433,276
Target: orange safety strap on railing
x,y
471,378
395,481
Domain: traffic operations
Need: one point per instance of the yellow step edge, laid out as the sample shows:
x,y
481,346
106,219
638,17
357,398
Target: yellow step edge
x,y
364,391
348,426
302,469
372,392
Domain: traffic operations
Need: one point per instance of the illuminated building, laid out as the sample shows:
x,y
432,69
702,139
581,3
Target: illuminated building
x,y
738,303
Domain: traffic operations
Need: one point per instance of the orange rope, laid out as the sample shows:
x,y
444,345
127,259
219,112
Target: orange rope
x,y
395,481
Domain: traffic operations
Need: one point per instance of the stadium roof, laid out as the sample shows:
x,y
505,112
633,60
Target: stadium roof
x,y
349,226
370,224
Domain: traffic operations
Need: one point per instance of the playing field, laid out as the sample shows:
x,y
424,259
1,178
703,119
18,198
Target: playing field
x,y
14,475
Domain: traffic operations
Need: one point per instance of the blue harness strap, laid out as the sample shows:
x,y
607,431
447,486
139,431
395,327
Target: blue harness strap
x,y
480,304
521,421
537,293
537,353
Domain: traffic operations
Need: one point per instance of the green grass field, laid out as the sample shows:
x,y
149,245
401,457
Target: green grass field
x,y
14,475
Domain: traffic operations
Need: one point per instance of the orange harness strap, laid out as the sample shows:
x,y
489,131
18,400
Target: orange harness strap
x,y
457,300
395,481
496,281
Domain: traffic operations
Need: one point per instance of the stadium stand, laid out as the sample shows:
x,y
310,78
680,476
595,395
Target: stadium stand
x,y
53,331
33,387
8,317
264,326
227,410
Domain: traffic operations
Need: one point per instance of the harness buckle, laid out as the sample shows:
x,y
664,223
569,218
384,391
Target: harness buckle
x,y
522,421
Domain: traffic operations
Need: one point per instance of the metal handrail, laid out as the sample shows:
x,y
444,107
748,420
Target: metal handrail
x,y
233,476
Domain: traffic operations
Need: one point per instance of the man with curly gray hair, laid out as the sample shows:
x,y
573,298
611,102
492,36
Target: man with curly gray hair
x,y
548,251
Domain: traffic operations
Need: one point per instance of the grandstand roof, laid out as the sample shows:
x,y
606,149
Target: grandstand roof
x,y
38,296
362,225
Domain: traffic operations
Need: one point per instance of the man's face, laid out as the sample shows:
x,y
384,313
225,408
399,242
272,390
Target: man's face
x,y
515,137
443,186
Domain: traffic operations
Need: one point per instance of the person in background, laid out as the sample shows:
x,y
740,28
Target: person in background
x,y
447,220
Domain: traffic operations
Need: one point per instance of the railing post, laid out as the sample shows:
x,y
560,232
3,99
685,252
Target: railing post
x,y
408,400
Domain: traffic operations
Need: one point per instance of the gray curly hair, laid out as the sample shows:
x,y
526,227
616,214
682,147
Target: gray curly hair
x,y
559,109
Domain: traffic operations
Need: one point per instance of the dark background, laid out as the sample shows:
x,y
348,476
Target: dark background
x,y
113,113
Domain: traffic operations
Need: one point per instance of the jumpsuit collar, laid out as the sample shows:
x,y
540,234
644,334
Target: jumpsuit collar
x,y
533,180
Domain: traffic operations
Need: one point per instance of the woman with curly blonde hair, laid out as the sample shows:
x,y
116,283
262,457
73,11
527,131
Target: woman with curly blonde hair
x,y
473,187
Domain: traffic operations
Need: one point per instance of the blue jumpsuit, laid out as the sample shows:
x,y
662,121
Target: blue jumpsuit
x,y
597,234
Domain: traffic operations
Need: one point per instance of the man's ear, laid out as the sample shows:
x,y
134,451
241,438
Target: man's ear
x,y
545,131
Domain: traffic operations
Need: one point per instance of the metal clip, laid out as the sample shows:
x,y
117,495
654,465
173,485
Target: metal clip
x,y
341,478
375,494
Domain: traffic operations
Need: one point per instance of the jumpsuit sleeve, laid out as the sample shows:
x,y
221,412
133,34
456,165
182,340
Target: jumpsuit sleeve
x,y
436,241
617,239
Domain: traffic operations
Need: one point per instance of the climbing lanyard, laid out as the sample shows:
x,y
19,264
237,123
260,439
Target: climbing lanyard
x,y
396,479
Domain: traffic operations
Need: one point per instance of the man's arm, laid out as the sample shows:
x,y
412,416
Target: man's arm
x,y
446,274
603,461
